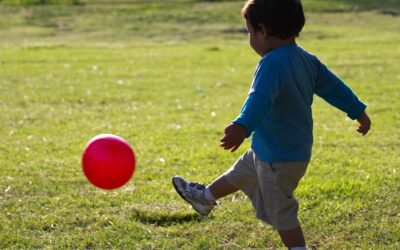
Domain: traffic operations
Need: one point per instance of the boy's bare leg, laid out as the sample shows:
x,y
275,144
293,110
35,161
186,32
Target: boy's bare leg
x,y
221,187
293,237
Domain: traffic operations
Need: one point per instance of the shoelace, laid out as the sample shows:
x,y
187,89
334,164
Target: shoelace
x,y
201,186
197,185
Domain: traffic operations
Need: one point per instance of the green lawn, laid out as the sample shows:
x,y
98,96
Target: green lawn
x,y
168,76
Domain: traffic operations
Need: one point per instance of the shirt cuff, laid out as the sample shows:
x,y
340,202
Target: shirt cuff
x,y
357,111
240,122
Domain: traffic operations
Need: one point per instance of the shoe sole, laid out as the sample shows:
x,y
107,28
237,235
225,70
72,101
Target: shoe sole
x,y
183,197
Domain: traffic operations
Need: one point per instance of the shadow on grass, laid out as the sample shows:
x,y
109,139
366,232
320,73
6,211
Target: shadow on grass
x,y
164,219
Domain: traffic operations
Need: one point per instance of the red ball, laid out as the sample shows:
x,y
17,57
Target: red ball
x,y
108,161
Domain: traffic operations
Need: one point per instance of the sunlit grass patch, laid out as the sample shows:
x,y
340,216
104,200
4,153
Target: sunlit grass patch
x,y
169,81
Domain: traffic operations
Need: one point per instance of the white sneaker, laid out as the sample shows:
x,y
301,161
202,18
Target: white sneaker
x,y
193,193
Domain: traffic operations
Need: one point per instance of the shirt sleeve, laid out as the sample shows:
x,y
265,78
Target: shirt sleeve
x,y
264,89
252,113
333,90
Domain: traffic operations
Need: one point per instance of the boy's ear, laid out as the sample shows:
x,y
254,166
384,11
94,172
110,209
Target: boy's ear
x,y
263,30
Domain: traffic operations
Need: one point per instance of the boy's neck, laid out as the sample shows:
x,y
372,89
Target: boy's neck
x,y
276,42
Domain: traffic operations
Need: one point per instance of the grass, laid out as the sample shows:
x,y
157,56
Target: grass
x,y
169,80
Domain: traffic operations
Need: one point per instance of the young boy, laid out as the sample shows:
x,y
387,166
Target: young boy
x,y
278,113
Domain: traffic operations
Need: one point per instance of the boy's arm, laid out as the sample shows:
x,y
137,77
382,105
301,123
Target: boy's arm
x,y
252,113
333,90
264,89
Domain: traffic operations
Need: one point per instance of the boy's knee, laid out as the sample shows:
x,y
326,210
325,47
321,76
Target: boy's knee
x,y
284,216
284,222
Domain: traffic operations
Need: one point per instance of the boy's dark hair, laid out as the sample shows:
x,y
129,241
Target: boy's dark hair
x,y
282,18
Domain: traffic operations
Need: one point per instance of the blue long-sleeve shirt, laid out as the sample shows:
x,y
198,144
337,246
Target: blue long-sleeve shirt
x,y
278,106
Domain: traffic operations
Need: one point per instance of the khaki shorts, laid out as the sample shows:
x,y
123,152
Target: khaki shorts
x,y
270,187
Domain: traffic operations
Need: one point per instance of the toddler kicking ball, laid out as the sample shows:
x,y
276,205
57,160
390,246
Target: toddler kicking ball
x,y
108,161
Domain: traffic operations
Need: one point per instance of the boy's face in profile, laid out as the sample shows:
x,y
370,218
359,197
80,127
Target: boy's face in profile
x,y
257,39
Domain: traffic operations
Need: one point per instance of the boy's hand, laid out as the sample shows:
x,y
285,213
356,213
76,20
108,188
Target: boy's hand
x,y
234,137
365,123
